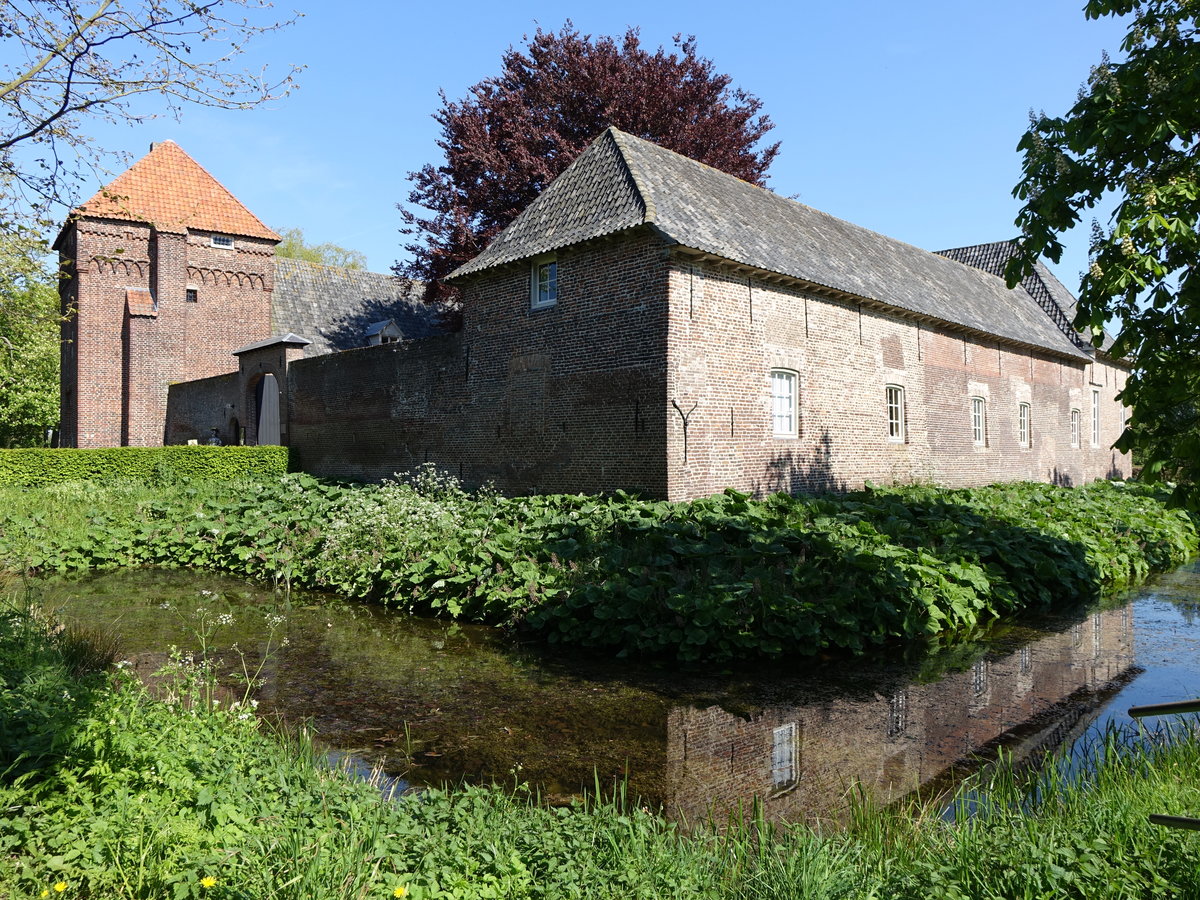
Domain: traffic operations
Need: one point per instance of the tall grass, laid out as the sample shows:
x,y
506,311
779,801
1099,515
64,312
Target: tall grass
x,y
180,796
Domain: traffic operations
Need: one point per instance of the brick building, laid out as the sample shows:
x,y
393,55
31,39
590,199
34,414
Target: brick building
x,y
167,274
652,324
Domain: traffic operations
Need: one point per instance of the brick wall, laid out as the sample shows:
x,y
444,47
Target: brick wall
x,y
119,358
568,398
194,408
592,393
727,331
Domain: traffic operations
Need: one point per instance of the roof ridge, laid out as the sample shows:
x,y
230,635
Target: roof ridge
x,y
217,182
170,191
786,201
650,211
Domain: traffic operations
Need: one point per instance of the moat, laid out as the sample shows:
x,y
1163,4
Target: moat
x,y
434,702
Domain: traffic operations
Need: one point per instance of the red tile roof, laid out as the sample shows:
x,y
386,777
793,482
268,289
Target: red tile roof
x,y
173,192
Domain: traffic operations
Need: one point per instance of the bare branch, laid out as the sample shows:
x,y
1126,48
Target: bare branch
x,y
68,66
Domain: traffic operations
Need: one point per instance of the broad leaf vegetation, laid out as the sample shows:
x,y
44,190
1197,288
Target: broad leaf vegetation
x,y
721,579
29,342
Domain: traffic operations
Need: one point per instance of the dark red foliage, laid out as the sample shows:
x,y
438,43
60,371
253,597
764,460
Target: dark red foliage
x,y
514,133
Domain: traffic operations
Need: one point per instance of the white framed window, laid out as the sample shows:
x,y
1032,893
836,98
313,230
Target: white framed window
x,y
1023,424
783,756
1095,418
897,714
978,422
894,398
543,286
784,403
979,677
1075,425
224,241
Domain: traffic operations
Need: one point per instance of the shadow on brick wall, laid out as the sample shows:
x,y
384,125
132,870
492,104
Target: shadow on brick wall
x,y
1115,473
798,472
1061,478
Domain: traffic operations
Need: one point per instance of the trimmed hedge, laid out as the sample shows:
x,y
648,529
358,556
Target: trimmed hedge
x,y
52,466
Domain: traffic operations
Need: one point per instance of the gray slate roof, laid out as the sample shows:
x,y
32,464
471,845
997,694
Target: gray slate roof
x,y
333,307
621,182
292,340
1050,293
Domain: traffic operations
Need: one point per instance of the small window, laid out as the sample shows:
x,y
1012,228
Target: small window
x,y
1095,418
783,403
191,295
783,756
978,422
1075,417
895,413
1023,424
544,287
223,241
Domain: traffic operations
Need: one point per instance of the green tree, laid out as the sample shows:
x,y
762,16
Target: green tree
x,y
1132,138
29,341
293,246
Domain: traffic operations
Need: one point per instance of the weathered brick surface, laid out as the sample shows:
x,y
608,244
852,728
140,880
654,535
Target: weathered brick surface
x,y
194,408
898,737
727,331
569,398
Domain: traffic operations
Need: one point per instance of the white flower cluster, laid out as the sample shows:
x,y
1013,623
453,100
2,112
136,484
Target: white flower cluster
x,y
397,518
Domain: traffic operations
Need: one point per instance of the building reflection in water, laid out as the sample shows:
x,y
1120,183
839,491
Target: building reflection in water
x,y
800,760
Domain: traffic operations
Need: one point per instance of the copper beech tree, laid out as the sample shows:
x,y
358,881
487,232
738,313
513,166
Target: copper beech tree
x,y
513,133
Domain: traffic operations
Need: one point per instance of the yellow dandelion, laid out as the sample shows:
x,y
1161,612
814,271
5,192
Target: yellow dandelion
x,y
400,892
60,886
46,892
207,881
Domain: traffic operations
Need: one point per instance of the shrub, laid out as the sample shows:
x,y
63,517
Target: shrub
x,y
51,466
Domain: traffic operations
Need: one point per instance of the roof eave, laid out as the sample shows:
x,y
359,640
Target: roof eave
x,y
460,277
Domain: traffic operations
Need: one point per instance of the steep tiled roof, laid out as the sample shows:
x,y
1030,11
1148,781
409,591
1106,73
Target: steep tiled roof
x,y
621,182
594,196
1050,293
333,307
173,192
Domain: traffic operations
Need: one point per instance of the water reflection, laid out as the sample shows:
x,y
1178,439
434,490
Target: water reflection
x,y
801,758
436,702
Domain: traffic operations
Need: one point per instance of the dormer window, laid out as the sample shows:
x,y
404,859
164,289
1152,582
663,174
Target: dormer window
x,y
544,283
385,332
224,241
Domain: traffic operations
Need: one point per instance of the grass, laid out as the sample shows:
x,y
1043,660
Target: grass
x,y
109,792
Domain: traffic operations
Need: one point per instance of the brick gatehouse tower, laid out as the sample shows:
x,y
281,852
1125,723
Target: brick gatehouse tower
x,y
166,274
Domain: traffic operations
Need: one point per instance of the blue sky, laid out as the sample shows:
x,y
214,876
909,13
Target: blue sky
x,y
901,117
